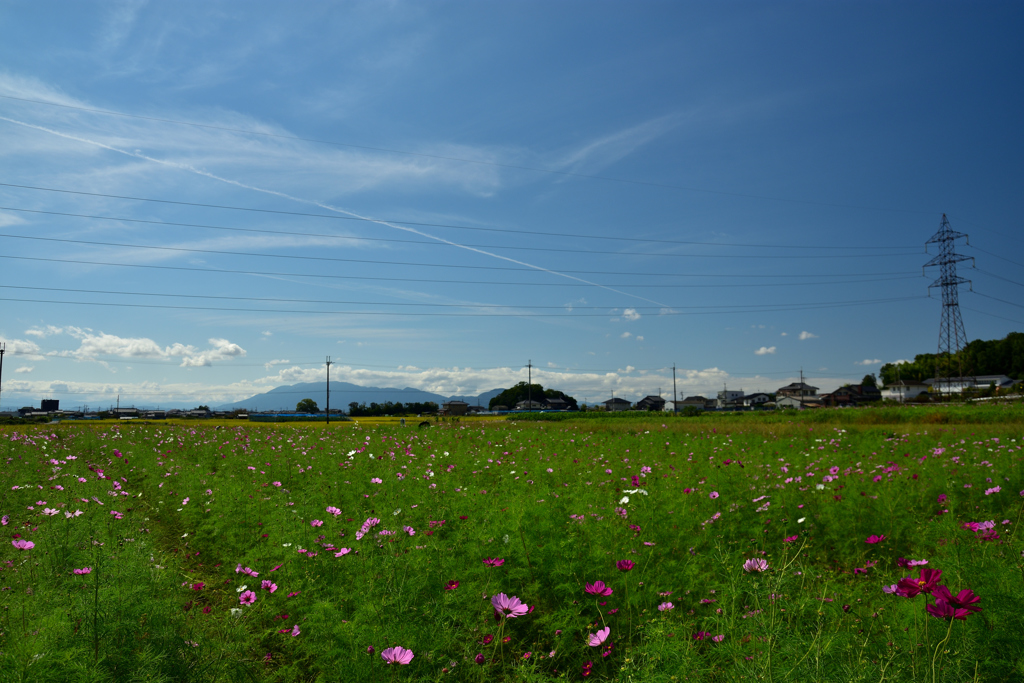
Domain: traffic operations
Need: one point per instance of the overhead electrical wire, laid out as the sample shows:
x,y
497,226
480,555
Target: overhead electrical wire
x,y
902,275
516,314
471,161
378,221
292,233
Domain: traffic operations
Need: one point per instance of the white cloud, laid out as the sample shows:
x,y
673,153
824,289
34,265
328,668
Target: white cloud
x,y
551,365
785,334
272,363
92,346
266,334
630,314
764,351
807,335
639,338
869,362
625,335
902,361
25,369
21,347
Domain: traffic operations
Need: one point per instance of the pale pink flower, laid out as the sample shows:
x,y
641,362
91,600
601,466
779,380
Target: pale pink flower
x,y
665,606
397,655
23,545
295,630
596,639
755,565
316,522
247,598
83,570
510,607
342,552
713,495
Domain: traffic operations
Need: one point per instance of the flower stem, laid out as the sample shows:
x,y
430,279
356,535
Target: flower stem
x,y
939,647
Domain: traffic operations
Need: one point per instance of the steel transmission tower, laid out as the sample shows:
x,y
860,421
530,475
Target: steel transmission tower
x,y
952,337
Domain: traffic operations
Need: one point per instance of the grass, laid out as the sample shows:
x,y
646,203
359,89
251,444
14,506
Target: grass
x,y
173,514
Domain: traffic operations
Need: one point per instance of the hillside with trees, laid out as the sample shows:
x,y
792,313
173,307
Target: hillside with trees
x,y
523,391
995,357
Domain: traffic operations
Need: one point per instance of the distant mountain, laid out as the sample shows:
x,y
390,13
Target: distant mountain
x,y
343,393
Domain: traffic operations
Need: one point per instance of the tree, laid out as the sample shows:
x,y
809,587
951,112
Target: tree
x,y
206,408
306,405
522,391
869,381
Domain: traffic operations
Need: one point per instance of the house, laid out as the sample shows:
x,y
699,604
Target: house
x,y
651,403
49,405
455,408
123,412
558,404
725,398
529,406
904,390
797,389
756,399
852,395
617,404
797,402
951,385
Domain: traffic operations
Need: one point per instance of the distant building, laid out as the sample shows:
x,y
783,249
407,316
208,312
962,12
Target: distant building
x,y
797,389
852,395
756,399
558,404
904,390
455,408
651,403
955,385
530,405
729,398
617,404
49,405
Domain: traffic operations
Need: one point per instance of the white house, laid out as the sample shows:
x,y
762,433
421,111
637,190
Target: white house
x,y
904,390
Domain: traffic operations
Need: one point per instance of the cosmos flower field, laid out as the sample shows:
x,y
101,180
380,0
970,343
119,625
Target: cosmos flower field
x,y
646,550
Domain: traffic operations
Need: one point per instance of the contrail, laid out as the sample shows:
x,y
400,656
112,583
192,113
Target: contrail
x,y
328,207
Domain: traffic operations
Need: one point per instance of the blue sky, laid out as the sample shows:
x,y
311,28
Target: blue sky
x,y
604,189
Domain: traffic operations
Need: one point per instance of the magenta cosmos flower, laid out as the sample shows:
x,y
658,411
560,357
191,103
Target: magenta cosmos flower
x,y
755,565
88,570
598,588
494,562
23,545
510,607
965,599
943,610
872,539
597,639
397,655
665,606
624,565
247,598
926,583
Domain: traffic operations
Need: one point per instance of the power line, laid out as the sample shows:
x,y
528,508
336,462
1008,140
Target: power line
x,y
472,161
745,309
394,263
1002,301
908,275
291,233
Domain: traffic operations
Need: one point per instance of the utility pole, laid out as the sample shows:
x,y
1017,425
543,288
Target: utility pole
x,y
952,337
3,348
529,386
675,409
328,390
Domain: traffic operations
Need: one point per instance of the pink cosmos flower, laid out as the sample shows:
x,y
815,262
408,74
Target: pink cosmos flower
x,y
701,635
597,639
755,565
397,655
451,585
268,585
965,599
713,495
494,562
7,518
377,480
197,586
926,583
719,638
598,588
665,607
342,552
83,570
23,545
247,598
295,630
333,510
944,610
872,539
316,522
790,539
510,607
625,565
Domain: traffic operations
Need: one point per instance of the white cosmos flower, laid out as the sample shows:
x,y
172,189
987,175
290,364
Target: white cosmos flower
x,y
625,499
801,520
241,588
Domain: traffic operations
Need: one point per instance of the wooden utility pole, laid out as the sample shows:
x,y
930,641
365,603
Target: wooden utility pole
x,y
328,390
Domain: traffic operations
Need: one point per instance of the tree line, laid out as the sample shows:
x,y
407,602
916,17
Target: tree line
x,y
994,357
390,408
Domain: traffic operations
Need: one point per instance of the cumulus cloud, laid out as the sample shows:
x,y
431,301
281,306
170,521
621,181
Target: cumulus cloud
x,y
92,346
625,335
21,347
867,361
630,314
639,337
807,335
272,363
25,369
765,351
785,334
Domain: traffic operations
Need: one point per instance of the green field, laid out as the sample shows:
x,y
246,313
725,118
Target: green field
x,y
739,547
